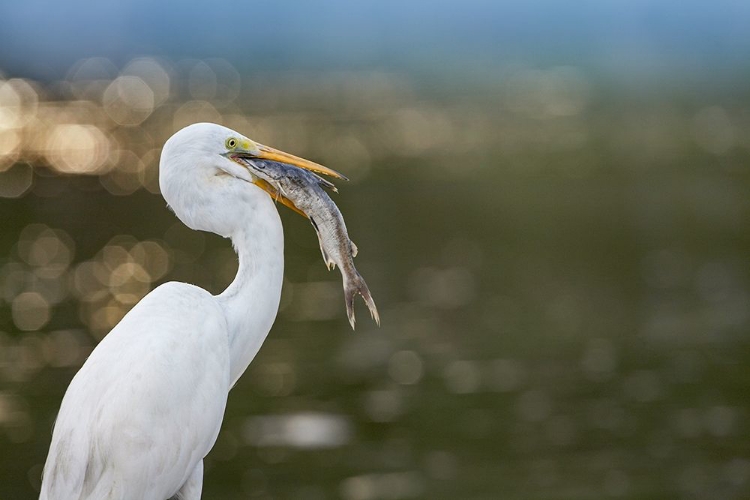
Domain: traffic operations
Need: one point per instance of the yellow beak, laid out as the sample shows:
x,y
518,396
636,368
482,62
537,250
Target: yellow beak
x,y
269,153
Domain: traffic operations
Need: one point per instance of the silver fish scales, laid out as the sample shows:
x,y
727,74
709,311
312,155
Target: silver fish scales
x,y
306,191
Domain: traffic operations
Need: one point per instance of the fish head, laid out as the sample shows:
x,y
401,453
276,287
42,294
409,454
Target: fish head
x,y
279,173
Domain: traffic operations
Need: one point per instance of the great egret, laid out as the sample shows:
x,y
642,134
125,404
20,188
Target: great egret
x,y
146,407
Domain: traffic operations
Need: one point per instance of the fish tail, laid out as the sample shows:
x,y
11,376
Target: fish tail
x,y
353,286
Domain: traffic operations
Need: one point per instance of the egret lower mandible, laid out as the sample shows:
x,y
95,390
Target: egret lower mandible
x,y
146,407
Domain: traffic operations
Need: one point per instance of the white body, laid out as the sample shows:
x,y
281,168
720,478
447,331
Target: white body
x,y
146,407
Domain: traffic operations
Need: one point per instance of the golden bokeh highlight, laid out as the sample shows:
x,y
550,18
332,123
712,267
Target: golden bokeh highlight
x,y
128,100
111,122
77,149
30,310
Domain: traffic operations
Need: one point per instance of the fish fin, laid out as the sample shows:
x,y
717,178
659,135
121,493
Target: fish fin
x,y
354,249
353,286
325,183
330,264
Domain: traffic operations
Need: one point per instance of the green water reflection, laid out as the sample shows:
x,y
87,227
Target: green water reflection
x,y
562,274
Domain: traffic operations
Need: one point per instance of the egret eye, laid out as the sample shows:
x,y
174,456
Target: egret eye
x,y
231,143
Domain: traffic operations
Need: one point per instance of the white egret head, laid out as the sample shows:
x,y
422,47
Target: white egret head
x,y
204,179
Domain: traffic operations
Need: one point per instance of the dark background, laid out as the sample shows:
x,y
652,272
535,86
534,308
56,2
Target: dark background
x,y
550,201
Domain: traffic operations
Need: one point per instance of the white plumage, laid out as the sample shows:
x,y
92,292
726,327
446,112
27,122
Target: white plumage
x,y
146,407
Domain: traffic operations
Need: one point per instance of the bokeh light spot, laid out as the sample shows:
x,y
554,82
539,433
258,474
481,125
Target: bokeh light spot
x,y
30,311
80,149
128,100
405,367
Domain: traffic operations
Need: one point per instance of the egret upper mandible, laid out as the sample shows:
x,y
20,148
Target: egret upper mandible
x,y
146,407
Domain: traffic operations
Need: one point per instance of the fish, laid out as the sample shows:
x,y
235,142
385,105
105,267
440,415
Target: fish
x,y
305,192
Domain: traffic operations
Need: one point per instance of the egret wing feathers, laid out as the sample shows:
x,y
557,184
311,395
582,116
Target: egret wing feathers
x,y
142,435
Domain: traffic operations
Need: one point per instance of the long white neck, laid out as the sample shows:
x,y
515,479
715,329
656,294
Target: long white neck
x,y
251,301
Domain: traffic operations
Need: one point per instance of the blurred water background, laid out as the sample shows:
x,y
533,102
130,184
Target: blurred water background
x,y
550,201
